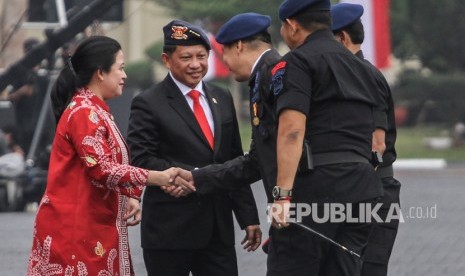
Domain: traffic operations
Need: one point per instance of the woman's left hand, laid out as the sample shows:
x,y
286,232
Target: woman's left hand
x,y
132,211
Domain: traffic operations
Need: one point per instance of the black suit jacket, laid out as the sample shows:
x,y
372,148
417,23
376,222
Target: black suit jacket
x,y
163,132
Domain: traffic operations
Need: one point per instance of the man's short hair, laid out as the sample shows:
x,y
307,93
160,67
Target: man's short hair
x,y
312,20
169,49
263,37
355,31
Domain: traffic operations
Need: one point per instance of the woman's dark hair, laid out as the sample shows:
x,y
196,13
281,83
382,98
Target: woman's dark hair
x,y
92,54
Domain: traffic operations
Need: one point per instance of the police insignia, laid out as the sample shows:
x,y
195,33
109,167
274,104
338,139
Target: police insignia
x,y
179,32
194,33
277,77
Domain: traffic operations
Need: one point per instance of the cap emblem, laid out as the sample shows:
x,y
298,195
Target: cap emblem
x,y
179,32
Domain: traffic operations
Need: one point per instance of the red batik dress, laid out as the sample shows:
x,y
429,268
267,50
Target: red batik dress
x,y
79,229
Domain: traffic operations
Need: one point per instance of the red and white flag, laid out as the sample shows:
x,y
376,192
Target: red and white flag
x,y
375,19
216,67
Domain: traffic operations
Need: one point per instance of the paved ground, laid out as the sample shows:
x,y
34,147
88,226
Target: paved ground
x,y
425,246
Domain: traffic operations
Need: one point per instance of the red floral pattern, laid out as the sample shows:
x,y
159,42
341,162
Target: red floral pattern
x,y
79,229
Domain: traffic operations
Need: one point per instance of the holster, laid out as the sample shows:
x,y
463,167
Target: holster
x,y
306,160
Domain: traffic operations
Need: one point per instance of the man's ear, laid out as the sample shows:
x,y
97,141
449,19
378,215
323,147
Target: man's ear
x,y
239,46
294,26
165,58
345,38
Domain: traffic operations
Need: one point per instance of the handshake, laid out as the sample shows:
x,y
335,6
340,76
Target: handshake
x,y
176,182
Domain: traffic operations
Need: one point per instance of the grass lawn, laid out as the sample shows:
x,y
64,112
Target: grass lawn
x,y
246,134
410,143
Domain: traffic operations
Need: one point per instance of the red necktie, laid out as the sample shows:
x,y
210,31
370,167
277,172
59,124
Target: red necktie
x,y
201,118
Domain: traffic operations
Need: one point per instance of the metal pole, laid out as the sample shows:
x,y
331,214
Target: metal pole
x,y
56,39
61,11
41,120
351,252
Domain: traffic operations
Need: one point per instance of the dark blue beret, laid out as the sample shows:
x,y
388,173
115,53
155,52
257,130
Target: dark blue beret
x,y
182,33
242,26
290,8
345,14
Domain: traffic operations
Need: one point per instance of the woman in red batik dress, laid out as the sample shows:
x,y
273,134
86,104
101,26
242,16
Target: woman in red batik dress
x,y
92,193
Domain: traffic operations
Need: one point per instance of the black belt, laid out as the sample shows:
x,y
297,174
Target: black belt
x,y
329,158
383,172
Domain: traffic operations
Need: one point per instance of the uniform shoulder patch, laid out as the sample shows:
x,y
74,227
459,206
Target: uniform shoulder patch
x,y
280,65
277,74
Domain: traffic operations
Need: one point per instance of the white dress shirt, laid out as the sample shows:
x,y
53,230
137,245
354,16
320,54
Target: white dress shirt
x,y
203,100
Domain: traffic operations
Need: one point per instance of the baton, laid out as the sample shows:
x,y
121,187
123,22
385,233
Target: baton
x,y
351,252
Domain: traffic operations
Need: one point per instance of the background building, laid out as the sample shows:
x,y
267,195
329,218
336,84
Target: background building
x,y
140,26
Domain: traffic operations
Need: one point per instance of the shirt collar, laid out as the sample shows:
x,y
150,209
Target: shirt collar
x,y
258,59
186,89
87,93
359,54
318,34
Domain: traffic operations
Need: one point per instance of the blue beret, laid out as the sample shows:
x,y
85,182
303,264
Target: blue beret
x,y
345,14
242,26
182,33
290,8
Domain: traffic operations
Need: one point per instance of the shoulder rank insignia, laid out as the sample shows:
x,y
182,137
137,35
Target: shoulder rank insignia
x,y
277,74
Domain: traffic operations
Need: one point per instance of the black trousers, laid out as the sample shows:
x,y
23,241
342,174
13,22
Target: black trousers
x,y
294,251
215,259
381,241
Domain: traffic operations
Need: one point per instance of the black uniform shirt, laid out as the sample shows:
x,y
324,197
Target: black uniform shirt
x,y
390,154
333,89
263,121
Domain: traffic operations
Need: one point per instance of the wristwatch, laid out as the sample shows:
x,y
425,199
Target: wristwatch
x,y
281,194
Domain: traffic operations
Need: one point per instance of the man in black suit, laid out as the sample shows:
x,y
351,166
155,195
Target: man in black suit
x,y
249,54
187,123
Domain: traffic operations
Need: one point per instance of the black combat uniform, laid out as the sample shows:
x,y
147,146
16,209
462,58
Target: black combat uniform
x,y
333,88
260,162
381,241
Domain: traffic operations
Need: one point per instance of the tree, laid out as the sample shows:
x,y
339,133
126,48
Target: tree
x,y
213,13
219,11
403,41
418,31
